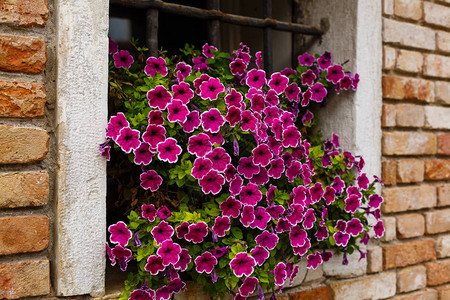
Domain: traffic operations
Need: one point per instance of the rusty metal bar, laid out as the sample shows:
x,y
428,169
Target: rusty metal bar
x,y
152,31
205,14
214,25
267,38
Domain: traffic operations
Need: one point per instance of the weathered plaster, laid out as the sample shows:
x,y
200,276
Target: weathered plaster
x,y
82,74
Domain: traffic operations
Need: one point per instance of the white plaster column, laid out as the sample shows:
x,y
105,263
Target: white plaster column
x,y
82,83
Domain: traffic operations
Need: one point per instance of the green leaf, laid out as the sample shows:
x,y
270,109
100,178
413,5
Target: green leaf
x,y
237,233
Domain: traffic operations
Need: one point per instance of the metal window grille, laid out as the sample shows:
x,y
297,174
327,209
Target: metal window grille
x,y
214,16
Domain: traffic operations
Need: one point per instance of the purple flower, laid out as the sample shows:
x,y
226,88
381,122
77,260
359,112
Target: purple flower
x,y
260,254
197,232
329,195
143,154
169,252
200,63
250,194
267,239
354,227
276,168
321,233
123,256
212,182
221,225
159,97
316,192
379,229
292,92
278,82
314,260
306,59
148,212
211,88
154,265
352,203
163,213
326,255
219,252
123,59
151,180
104,149
375,201
220,159
247,167
169,150
212,120
140,294
113,48
248,215
242,264
256,78
248,286
324,60
291,136
308,77
205,263
184,260
363,181
341,238
335,74
154,134
338,184
183,70
120,234
206,50
261,218
231,207
280,273
309,219
128,139
318,92
238,66
297,236
116,123
155,65
307,117
199,145
163,231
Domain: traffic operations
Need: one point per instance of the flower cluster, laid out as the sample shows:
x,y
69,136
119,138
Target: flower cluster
x,y
224,131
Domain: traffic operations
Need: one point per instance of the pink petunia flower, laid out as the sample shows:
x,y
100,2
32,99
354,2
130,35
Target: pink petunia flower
x,y
291,137
233,115
148,212
234,98
318,92
267,239
247,167
151,180
184,260
182,229
155,117
235,185
316,192
294,170
296,214
280,274
354,227
120,234
256,78
143,154
212,120
154,265
338,184
128,139
321,233
192,122
211,88
177,111
324,60
272,98
262,177
309,219
306,96
219,158
205,263
302,250
123,59
278,82
159,97
169,150
308,77
212,182
258,59
219,252
314,260
206,50
379,229
341,238
163,231
352,203
375,201
163,213
197,232
363,181
200,63
276,168
282,226
199,145
306,59
242,264
275,211
113,47
184,70
297,236
169,252
141,294
231,207
116,123
307,117
262,155
247,216
221,225
250,194
248,121
182,92
155,65
201,167
238,67
292,92
329,195
335,74
261,218
248,286
260,254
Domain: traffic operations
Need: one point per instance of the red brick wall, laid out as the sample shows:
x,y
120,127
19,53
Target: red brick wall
x,y
25,162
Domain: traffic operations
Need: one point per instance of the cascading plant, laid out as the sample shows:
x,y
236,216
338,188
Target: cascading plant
x,y
249,188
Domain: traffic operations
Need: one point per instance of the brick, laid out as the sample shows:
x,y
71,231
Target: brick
x,y
428,294
443,92
410,253
410,170
389,55
22,145
22,54
22,99
24,189
407,34
438,272
408,9
375,260
390,232
406,88
437,117
318,293
436,65
437,169
409,143
24,234
388,172
444,143
400,199
24,13
355,266
443,195
444,292
410,225
388,7
388,115
379,286
409,61
411,279
438,221
410,115
443,41
436,14
24,279
443,246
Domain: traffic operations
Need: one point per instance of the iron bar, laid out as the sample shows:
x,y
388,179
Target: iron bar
x,y
152,30
205,14
214,24
267,38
